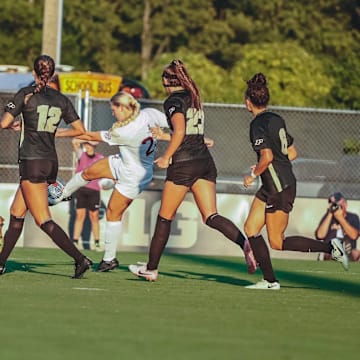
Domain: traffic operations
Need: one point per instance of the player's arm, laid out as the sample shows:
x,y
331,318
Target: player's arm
x,y
266,157
178,123
292,153
7,120
91,136
76,129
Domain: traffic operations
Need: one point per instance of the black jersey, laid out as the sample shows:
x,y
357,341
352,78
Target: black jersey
x,y
268,131
193,145
40,118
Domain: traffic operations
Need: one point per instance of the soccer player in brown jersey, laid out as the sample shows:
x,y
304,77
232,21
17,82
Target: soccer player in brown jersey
x,y
42,109
190,166
273,202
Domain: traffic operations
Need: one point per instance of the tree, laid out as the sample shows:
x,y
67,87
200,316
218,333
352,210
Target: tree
x,y
296,78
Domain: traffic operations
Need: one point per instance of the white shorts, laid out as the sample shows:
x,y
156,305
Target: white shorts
x,y
130,182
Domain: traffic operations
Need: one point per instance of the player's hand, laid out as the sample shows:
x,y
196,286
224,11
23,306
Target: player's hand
x,y
163,162
157,132
16,125
209,142
248,180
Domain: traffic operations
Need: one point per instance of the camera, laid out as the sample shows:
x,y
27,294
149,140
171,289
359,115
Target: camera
x,y
334,207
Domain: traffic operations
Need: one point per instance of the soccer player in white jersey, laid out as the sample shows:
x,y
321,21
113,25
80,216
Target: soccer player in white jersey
x,y
131,169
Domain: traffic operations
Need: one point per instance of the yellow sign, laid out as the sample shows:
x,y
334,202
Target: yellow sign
x,y
99,85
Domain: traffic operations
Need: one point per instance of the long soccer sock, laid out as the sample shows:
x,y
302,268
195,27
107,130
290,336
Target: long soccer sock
x,y
262,256
75,183
158,242
112,235
11,237
60,238
304,244
227,228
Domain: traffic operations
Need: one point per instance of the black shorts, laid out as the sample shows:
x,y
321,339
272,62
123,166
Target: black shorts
x,y
38,170
87,199
187,172
283,200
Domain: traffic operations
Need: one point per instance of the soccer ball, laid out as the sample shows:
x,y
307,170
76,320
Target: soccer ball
x,y
55,191
106,184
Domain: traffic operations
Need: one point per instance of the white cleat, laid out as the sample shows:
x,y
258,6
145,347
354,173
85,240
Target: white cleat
x,y
338,253
264,285
141,270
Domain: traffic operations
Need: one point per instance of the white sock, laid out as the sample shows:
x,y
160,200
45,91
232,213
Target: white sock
x,y
112,236
75,183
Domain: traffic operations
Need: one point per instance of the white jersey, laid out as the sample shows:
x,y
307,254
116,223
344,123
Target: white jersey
x,y
133,166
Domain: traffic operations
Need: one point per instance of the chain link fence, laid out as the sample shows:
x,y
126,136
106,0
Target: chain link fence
x,y
328,144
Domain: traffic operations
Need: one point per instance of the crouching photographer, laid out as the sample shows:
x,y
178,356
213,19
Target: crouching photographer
x,y
339,223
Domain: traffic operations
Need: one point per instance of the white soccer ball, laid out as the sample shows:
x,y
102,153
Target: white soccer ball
x,y
55,191
106,184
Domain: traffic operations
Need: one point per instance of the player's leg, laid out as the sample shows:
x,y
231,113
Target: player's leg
x,y
116,207
204,193
35,196
253,226
172,196
97,170
17,216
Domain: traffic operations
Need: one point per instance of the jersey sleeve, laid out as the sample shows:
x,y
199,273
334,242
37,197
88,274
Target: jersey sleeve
x,y
15,105
174,105
69,113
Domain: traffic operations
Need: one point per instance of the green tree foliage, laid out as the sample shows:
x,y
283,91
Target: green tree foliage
x,y
21,31
308,49
296,78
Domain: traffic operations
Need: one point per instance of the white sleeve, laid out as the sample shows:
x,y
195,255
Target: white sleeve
x,y
110,138
156,117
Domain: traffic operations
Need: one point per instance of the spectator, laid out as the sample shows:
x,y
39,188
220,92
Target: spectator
x,y
341,224
87,198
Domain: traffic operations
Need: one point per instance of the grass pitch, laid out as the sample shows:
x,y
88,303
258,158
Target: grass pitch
x,y
198,309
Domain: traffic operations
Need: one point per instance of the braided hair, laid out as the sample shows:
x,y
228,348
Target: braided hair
x,y
126,99
257,90
177,75
44,67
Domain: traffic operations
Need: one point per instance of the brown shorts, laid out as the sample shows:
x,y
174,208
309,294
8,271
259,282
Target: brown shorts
x,y
38,170
283,200
88,199
187,172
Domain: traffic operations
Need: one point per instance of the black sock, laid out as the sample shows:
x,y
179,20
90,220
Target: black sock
x,y
304,244
226,227
158,242
11,237
60,238
262,256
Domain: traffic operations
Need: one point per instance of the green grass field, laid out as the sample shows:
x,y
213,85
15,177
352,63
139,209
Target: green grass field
x,y
198,309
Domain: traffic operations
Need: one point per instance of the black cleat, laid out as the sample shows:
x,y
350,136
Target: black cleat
x,y
2,269
107,265
81,267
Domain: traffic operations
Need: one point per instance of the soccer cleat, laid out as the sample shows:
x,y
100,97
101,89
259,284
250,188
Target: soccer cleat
x,y
141,270
265,285
81,267
53,202
107,265
2,269
249,257
338,253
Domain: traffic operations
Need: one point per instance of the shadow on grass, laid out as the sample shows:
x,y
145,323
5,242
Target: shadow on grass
x,y
300,280
13,266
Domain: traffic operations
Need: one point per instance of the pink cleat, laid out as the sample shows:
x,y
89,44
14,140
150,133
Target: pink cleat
x,y
249,257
